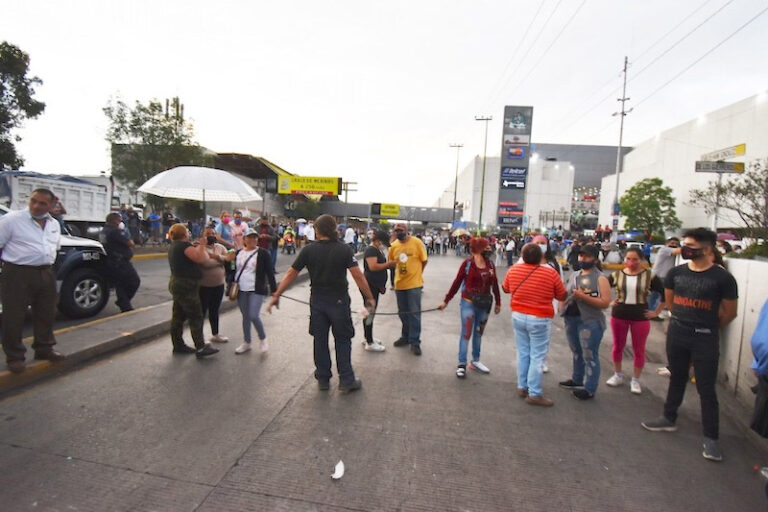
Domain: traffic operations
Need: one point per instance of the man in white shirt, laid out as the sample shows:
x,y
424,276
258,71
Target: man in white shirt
x,y
349,238
310,232
30,240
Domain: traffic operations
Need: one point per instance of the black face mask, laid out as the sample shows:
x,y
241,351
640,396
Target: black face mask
x,y
689,253
487,255
400,236
210,239
587,265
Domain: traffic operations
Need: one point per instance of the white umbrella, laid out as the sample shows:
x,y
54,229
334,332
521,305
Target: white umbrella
x,y
301,221
200,184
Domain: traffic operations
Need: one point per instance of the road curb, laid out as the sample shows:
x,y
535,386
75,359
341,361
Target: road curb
x,y
40,370
150,256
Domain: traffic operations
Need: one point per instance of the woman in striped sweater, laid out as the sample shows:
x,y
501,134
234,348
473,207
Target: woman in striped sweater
x,y
630,315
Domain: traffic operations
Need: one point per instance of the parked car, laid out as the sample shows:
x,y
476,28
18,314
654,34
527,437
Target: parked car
x,y
80,277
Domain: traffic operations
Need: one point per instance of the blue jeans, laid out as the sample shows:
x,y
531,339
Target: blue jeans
x,y
250,307
584,339
532,340
653,300
273,254
473,320
408,301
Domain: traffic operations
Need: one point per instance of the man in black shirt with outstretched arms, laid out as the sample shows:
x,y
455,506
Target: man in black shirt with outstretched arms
x,y
702,297
328,260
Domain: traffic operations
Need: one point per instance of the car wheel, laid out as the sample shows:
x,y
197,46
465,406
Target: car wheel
x,y
83,293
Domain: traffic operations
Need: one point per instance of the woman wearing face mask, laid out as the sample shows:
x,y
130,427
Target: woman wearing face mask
x,y
224,231
253,273
375,270
630,314
212,283
477,280
548,258
589,293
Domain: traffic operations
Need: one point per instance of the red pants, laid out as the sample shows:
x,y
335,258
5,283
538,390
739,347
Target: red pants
x,y
639,330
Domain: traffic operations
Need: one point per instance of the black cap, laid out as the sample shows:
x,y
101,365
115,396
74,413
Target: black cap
x,y
590,250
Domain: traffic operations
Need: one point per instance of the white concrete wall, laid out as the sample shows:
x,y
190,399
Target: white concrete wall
x,y
735,349
672,154
549,187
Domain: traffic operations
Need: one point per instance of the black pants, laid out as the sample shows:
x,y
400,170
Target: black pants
x,y
332,312
125,279
24,286
210,299
686,345
368,326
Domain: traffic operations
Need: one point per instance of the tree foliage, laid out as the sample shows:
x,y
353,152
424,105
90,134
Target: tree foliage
x,y
149,138
17,101
741,197
649,206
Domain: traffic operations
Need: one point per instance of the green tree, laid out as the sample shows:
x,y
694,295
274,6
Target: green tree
x,y
16,101
149,138
741,197
649,206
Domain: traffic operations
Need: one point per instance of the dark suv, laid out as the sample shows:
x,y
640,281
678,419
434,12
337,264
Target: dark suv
x,y
80,279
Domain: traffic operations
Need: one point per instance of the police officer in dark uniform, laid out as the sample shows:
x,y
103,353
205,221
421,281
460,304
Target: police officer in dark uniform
x,y
120,270
328,260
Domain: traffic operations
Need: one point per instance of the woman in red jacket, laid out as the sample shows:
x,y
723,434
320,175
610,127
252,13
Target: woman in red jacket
x,y
477,279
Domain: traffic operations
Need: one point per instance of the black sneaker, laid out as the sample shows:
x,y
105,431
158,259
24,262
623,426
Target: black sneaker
x,y
207,350
402,342
416,350
461,371
712,450
323,385
660,424
183,349
350,387
582,394
570,384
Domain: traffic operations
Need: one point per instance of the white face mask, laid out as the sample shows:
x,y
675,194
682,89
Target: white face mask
x,y
121,226
543,248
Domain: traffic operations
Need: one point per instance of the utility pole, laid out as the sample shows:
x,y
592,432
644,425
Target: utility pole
x,y
482,181
622,113
345,187
455,180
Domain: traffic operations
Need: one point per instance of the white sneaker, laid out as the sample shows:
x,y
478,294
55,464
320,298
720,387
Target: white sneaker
x,y
478,366
615,380
263,345
635,387
242,349
545,368
217,338
376,346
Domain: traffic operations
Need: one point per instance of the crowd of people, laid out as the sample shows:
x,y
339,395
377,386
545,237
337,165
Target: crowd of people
x,y
236,260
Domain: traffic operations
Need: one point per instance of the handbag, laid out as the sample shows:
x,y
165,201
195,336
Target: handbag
x,y
234,288
482,301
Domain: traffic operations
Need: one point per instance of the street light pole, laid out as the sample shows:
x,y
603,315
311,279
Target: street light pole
x,y
455,180
622,113
482,181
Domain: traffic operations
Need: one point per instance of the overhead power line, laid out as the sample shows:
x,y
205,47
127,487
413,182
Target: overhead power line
x,y
718,45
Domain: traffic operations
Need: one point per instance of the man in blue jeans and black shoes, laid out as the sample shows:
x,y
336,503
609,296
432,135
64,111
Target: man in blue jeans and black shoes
x,y
328,260
702,297
410,257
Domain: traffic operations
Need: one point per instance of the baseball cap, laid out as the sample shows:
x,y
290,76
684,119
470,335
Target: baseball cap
x,y
590,250
251,232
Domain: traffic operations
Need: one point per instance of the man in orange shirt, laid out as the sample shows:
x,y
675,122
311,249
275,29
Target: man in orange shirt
x,y
410,257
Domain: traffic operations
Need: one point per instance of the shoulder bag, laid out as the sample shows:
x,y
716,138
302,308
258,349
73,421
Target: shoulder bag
x,y
234,287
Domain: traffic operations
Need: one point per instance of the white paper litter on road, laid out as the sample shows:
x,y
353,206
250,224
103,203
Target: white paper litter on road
x,y
339,471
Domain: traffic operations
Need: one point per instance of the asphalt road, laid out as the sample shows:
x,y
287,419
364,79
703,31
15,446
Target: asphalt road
x,y
154,275
147,430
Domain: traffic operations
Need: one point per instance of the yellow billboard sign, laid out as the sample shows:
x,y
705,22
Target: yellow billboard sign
x,y
390,210
318,185
726,153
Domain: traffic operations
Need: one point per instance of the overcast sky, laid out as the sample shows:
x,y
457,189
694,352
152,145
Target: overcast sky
x,y
375,91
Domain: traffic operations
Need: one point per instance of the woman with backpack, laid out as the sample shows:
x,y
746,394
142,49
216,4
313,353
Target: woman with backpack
x,y
479,288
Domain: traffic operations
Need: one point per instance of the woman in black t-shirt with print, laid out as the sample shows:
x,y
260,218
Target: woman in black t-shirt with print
x,y
376,265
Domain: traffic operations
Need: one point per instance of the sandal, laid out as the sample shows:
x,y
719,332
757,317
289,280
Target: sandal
x,y
461,371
